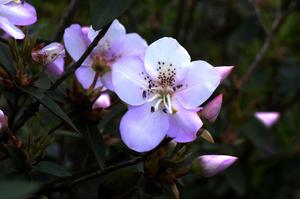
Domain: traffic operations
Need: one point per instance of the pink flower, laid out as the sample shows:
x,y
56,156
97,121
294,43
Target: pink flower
x,y
164,91
267,118
212,109
214,164
224,71
52,56
103,101
3,120
114,45
15,13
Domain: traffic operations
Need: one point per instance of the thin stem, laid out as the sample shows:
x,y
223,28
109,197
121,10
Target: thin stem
x,y
277,23
77,64
66,183
65,20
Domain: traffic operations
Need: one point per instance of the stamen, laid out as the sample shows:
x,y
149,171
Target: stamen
x,y
156,96
157,104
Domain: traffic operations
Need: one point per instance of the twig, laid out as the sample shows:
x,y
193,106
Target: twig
x,y
66,183
77,64
278,21
259,17
65,20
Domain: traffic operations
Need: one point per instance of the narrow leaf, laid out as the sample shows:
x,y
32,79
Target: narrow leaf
x,y
94,140
50,105
6,58
16,189
52,169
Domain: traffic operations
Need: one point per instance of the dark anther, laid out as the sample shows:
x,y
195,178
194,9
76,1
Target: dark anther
x,y
152,109
164,110
144,94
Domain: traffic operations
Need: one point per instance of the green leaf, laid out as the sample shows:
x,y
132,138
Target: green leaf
x,y
103,12
52,169
17,189
6,58
50,105
119,184
94,140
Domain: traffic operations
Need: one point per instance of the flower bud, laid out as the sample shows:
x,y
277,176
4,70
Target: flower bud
x,y
267,118
211,165
224,71
49,53
212,109
103,101
3,120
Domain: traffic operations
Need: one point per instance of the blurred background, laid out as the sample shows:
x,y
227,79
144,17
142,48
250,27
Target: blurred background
x,y
260,34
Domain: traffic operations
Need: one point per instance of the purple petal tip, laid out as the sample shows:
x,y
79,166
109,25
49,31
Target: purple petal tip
x,y
214,164
267,118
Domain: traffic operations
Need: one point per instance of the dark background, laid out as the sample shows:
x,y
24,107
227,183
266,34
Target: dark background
x,y
222,32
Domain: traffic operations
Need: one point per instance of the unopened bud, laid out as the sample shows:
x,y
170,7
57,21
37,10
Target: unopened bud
x,y
49,53
267,118
212,109
224,71
211,165
103,101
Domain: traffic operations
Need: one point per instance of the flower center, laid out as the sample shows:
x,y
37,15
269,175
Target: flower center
x,y
162,89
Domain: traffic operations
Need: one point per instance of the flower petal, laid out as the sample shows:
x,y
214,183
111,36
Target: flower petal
x,y
103,101
11,29
184,125
56,67
75,42
21,14
131,45
166,53
201,81
85,75
128,80
142,130
107,80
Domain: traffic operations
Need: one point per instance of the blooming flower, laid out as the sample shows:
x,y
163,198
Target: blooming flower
x,y
164,92
16,13
51,55
114,45
214,164
212,109
267,118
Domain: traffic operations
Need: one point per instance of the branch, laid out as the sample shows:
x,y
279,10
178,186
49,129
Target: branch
x,y
277,23
66,183
65,20
77,64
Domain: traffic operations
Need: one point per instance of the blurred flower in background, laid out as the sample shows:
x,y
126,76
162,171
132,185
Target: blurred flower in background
x,y
114,45
267,118
16,13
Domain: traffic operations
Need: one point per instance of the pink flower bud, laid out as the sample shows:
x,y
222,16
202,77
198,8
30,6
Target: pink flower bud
x,y
3,119
267,118
224,71
214,164
49,53
212,109
102,102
